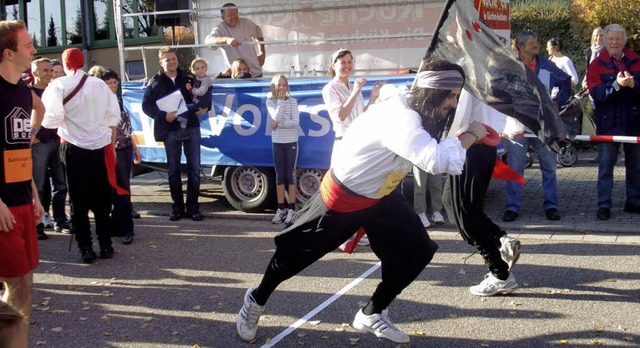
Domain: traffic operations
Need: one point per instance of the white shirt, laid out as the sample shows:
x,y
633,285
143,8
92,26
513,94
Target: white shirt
x,y
244,32
381,146
471,109
85,120
566,65
335,95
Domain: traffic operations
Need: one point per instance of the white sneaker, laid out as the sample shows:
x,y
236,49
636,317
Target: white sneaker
x,y
425,220
492,286
364,241
437,218
247,321
379,325
509,250
46,221
290,214
281,214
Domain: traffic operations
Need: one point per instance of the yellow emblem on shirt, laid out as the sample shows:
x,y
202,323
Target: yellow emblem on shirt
x,y
392,181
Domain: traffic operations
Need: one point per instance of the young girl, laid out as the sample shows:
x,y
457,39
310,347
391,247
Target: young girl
x,y
201,89
285,118
240,69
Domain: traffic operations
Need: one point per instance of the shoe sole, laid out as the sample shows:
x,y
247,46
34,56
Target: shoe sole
x,y
498,292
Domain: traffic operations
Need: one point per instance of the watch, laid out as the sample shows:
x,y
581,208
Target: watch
x,y
34,131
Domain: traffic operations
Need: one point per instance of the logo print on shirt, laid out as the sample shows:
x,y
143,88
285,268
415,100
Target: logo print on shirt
x,y
17,126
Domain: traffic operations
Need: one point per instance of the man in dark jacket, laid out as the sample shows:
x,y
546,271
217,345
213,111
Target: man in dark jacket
x,y
613,79
168,130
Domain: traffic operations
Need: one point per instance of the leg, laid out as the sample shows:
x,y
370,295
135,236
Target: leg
x,y
607,158
516,154
122,210
173,148
632,175
436,184
192,153
291,162
548,166
101,198
59,182
40,178
419,190
75,161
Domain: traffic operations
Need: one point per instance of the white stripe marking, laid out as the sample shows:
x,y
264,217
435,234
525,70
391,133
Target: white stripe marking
x,y
320,307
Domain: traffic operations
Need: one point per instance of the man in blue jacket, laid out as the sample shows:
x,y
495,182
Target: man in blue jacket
x,y
558,84
168,130
613,78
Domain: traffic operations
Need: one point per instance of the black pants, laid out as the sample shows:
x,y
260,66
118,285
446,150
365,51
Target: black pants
x,y
396,235
463,199
122,208
89,189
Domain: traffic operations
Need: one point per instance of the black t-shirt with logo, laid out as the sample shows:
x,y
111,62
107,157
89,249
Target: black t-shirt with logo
x,y
15,116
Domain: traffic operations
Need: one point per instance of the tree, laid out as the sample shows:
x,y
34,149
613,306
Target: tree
x,y
75,36
52,38
589,14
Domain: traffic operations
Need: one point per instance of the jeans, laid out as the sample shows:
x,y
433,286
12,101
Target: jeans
x,y
46,157
189,139
608,156
121,215
517,158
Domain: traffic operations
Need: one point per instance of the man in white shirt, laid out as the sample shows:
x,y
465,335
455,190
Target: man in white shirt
x,y
237,36
86,121
378,150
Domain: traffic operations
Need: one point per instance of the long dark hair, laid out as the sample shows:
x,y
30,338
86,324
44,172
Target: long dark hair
x,y
425,101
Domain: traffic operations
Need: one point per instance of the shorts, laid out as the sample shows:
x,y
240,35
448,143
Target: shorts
x,y
19,253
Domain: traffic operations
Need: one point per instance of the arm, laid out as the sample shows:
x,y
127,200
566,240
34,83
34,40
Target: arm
x,y
288,108
263,53
347,106
563,82
37,114
601,91
54,109
37,206
205,83
149,106
6,218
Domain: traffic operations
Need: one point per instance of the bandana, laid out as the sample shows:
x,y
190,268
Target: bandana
x,y
335,54
446,79
72,59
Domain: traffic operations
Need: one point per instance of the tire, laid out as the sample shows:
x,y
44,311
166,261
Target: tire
x,y
250,189
309,180
567,156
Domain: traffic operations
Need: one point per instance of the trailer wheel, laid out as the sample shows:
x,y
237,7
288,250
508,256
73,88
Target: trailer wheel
x,y
308,183
250,189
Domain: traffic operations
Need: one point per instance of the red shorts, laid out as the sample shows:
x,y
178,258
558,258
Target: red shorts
x,y
19,253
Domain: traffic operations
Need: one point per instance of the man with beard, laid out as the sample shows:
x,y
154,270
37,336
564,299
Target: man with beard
x,y
379,148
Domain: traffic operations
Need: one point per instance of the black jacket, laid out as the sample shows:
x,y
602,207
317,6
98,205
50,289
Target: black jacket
x,y
159,86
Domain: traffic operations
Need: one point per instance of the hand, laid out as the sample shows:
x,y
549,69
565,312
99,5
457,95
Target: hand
x,y
274,124
281,95
375,90
171,116
233,42
137,157
477,129
625,80
34,139
6,218
261,58
359,83
38,211
201,111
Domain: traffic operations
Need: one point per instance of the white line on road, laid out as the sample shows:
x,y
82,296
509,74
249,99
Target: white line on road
x,y
320,307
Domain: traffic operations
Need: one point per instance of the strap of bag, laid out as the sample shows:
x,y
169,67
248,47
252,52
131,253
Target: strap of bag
x,y
75,90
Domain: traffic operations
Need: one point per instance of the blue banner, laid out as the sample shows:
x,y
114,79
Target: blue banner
x,y
235,132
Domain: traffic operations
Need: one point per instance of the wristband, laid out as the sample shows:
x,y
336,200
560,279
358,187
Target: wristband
x,y
34,131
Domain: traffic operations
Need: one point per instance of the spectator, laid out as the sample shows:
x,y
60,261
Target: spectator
x,y
517,145
597,44
166,129
58,71
126,153
554,48
20,208
285,120
47,166
85,112
237,37
344,100
202,86
240,69
613,78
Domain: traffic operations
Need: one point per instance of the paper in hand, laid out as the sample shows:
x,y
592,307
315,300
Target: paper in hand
x,y
172,102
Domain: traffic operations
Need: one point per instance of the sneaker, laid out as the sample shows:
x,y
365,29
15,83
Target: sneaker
x,y
425,220
437,218
290,214
509,250
492,286
247,321
379,325
281,215
46,221
364,241
63,227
